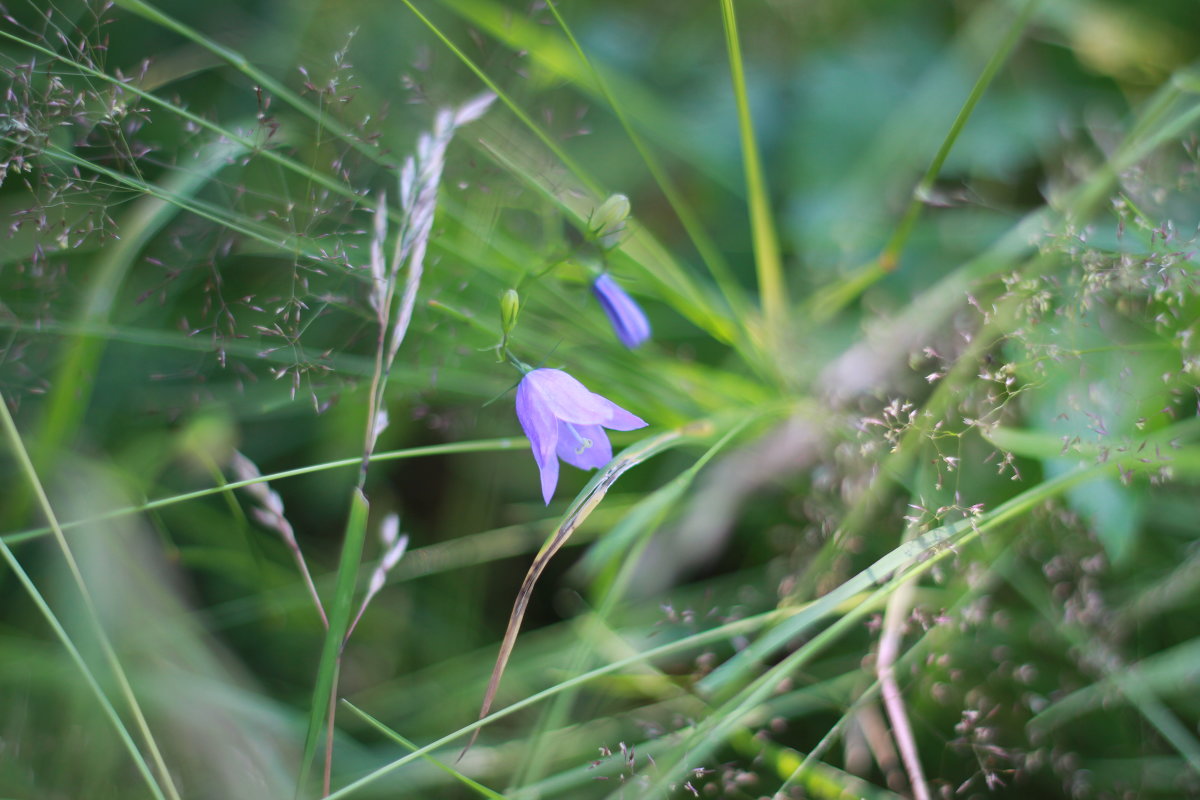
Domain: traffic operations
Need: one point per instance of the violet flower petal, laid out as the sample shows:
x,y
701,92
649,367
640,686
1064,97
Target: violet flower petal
x,y
619,419
564,420
627,318
541,428
568,399
583,446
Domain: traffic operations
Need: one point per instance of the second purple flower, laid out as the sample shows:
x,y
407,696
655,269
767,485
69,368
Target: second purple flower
x,y
626,316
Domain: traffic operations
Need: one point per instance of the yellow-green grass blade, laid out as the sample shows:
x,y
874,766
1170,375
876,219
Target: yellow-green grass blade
x,y
139,761
895,245
473,785
772,289
27,468
477,446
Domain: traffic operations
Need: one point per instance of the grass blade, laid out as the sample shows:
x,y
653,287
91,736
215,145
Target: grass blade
x,y
340,609
772,290
27,468
581,507
473,785
89,677
479,446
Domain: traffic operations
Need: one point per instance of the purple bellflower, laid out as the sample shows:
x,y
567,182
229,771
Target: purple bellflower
x,y
564,420
626,316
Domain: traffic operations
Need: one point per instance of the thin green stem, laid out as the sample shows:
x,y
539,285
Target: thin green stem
x,y
705,246
444,767
88,676
720,633
891,251
772,289
476,446
26,466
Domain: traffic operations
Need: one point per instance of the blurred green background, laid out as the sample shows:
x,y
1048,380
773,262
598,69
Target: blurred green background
x,y
953,407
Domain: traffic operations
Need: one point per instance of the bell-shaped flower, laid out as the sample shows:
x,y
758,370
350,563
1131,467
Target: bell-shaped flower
x,y
626,316
563,419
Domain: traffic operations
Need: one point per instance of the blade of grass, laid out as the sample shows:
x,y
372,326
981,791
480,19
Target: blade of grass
x,y
341,606
473,785
932,547
720,633
917,651
25,464
260,78
584,503
818,779
1166,672
553,146
478,446
715,729
1129,680
529,37
812,697
772,290
890,256
705,246
827,302
89,677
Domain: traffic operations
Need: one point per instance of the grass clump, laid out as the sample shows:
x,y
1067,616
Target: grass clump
x,y
906,297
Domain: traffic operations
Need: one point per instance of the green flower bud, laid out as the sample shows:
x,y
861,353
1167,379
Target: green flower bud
x,y
510,306
607,222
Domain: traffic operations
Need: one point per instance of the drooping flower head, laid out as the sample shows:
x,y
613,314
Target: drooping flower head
x,y
563,419
626,316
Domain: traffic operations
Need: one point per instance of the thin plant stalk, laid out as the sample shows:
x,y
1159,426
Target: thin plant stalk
x,y
890,256
89,677
642,519
701,240
889,649
475,446
270,514
583,505
110,655
418,187
771,287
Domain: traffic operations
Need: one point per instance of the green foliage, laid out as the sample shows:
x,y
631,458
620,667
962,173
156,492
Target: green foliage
x,y
915,514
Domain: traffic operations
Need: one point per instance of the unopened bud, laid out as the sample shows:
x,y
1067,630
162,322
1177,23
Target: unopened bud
x,y
608,220
510,306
